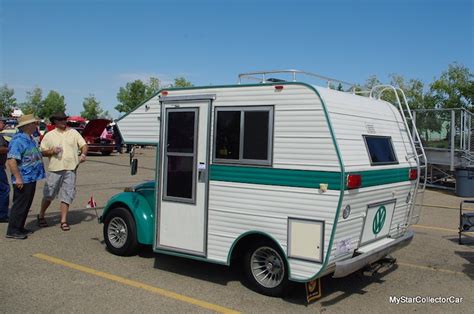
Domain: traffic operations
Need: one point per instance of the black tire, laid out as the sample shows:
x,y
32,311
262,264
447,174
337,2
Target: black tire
x,y
106,153
120,233
269,274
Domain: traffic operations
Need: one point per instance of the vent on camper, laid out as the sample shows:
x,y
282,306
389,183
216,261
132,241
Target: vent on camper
x,y
274,80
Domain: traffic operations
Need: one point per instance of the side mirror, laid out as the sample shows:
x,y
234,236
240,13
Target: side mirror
x,y
134,166
132,154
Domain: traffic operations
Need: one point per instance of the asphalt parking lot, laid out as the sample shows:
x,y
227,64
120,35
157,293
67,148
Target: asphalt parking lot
x,y
57,271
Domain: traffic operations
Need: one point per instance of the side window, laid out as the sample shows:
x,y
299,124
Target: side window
x,y
380,149
227,135
243,135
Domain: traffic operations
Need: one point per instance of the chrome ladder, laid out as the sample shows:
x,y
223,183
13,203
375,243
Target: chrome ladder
x,y
419,155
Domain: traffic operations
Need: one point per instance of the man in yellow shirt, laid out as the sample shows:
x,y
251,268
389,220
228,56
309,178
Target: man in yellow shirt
x,y
61,145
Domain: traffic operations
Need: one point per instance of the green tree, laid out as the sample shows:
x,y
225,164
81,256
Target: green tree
x,y
7,101
414,92
130,96
371,82
363,90
54,102
153,86
181,82
135,93
106,115
34,102
92,109
454,88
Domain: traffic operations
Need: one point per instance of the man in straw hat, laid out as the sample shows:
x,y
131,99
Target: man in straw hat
x,y
26,165
61,146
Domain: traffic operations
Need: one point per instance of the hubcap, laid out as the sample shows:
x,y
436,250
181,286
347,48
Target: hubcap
x,y
117,232
267,266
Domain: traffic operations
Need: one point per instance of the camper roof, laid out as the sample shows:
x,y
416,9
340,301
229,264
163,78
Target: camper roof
x,y
291,76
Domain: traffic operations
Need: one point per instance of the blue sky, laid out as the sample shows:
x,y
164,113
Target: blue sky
x,y
94,47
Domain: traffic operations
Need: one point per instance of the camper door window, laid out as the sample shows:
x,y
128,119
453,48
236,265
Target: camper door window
x,y
243,135
380,149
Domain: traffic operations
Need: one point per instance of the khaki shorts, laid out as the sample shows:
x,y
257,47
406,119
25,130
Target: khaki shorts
x,y
61,184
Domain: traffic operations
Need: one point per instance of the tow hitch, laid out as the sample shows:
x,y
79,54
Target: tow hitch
x,y
381,265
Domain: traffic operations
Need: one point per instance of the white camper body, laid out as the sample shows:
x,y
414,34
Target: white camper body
x,y
328,178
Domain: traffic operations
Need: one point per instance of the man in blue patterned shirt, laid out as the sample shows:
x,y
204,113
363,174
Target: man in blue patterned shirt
x,y
4,186
26,165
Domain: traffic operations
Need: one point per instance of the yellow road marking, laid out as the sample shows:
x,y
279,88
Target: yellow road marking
x,y
433,269
436,228
136,284
446,207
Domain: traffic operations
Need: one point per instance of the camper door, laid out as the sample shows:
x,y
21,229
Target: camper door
x,y
183,177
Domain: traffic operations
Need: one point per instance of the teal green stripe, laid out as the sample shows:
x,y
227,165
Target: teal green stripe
x,y
272,176
302,178
386,176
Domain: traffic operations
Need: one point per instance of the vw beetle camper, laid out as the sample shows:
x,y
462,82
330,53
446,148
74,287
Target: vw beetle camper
x,y
291,180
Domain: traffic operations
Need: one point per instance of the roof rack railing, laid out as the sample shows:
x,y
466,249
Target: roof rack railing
x,y
263,77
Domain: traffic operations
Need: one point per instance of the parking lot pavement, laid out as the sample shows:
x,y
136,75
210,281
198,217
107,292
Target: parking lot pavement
x,y
56,271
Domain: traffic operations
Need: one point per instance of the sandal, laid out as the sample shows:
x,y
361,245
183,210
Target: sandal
x,y
41,222
65,227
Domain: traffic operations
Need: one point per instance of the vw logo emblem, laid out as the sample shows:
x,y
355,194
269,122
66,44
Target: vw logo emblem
x,y
379,220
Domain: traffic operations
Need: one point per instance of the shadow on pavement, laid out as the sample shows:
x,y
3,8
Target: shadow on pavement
x,y
337,289
333,290
468,268
219,274
75,216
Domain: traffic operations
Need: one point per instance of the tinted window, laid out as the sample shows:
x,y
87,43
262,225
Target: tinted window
x,y
256,135
380,150
249,144
180,177
181,132
228,135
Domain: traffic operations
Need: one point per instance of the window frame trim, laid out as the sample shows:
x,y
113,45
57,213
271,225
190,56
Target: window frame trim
x,y
241,161
165,196
372,163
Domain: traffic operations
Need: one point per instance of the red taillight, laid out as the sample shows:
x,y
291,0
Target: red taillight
x,y
413,174
354,181
164,93
278,87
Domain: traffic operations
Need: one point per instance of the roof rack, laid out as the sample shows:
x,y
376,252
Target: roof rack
x,y
264,74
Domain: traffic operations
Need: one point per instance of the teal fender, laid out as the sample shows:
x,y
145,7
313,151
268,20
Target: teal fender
x,y
141,211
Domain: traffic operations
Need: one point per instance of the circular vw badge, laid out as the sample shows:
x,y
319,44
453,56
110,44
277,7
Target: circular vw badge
x,y
379,220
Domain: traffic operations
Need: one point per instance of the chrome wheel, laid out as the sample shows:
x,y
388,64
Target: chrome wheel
x,y
117,232
267,266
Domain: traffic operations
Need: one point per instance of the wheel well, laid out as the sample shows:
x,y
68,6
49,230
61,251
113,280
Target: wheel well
x,y
115,205
244,243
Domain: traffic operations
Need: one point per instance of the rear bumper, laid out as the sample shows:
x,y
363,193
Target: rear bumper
x,y
344,268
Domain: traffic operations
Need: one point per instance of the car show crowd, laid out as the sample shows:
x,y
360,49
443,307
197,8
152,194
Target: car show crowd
x,y
66,141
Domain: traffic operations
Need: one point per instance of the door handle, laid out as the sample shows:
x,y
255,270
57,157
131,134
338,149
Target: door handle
x,y
202,172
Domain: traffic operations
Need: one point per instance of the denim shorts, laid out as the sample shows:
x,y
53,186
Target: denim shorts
x,y
61,184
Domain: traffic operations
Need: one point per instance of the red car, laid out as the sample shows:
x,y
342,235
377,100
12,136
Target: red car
x,y
92,134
